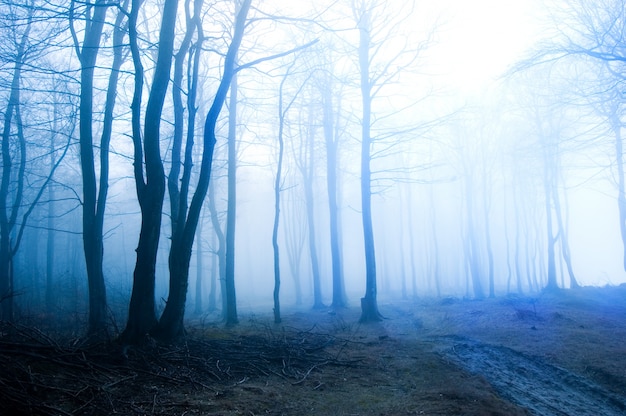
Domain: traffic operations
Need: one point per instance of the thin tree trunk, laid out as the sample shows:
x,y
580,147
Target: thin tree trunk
x,y
8,214
551,240
332,142
307,174
621,182
277,186
199,270
369,303
564,240
230,313
220,253
472,250
50,240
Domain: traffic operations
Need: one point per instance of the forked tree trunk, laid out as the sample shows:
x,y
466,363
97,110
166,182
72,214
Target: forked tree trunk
x,y
151,190
183,218
171,323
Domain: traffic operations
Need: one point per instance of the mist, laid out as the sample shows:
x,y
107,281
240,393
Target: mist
x,y
484,139
312,207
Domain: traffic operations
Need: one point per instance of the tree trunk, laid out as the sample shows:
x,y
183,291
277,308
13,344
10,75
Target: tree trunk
x,y
318,302
369,303
332,141
551,240
94,197
220,253
50,240
472,250
8,214
199,270
490,261
621,182
151,191
277,186
230,313
170,325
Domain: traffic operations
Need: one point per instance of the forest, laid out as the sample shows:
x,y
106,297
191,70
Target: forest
x,y
184,176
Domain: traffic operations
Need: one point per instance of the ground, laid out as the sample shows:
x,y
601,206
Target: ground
x,y
550,354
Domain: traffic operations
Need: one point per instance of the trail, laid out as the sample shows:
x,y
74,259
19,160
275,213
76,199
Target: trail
x,y
530,382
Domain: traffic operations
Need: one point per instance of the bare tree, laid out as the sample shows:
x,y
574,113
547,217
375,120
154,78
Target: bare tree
x,y
171,322
95,188
151,185
376,28
591,32
15,208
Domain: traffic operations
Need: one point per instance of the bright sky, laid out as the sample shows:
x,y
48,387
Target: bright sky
x,y
479,39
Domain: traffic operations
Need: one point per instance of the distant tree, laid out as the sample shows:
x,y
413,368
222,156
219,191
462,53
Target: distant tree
x,y
20,50
294,235
552,123
220,250
198,304
305,156
377,25
369,302
591,32
283,110
331,102
12,185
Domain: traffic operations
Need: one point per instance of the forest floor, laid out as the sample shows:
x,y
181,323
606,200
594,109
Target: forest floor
x,y
552,354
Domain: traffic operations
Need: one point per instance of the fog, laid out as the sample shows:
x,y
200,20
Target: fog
x,y
494,136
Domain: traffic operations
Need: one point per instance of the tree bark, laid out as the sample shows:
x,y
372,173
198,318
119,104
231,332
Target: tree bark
x,y
151,191
230,295
183,220
171,323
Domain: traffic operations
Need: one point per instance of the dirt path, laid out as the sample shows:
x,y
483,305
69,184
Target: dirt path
x,y
528,381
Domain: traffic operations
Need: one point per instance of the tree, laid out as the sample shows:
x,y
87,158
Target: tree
x,y
305,157
377,69
369,303
283,110
12,122
330,122
95,190
150,186
171,322
15,208
591,32
230,295
220,251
